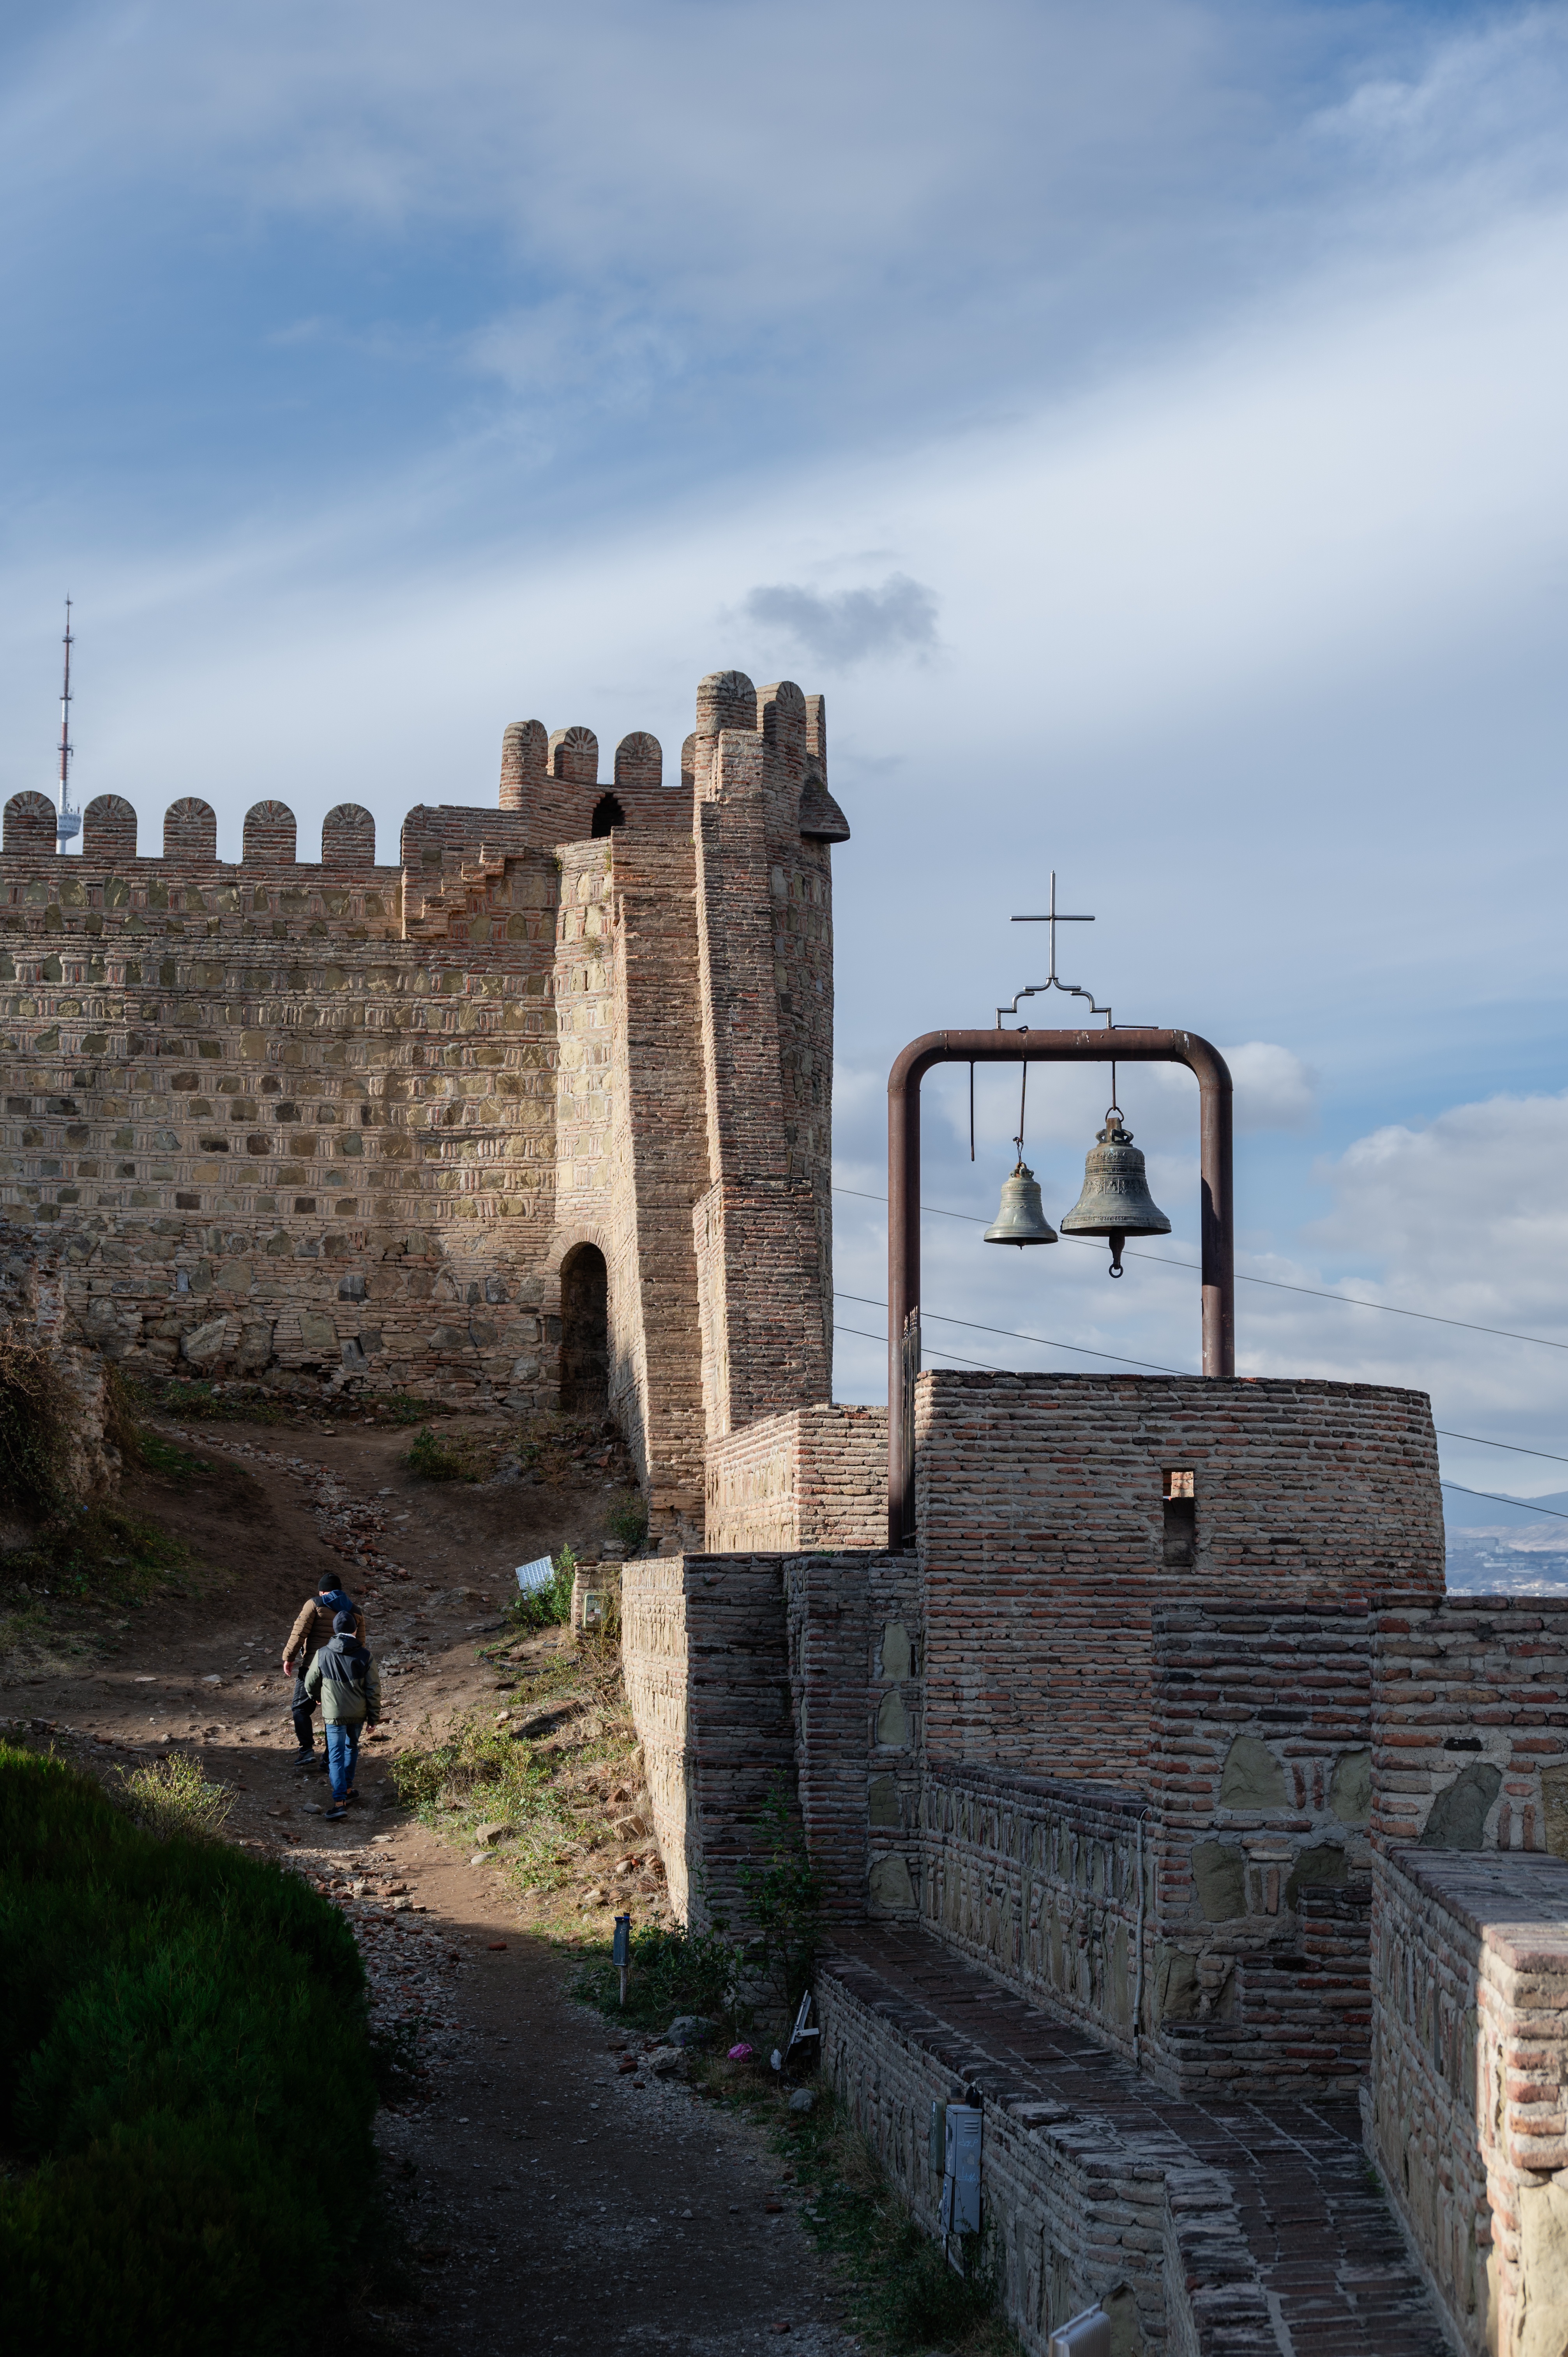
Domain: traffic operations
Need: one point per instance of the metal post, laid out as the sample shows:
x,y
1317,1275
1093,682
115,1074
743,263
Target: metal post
x,y
999,1047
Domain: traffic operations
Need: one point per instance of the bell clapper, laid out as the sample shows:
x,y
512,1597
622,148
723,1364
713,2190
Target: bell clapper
x,y
1117,1240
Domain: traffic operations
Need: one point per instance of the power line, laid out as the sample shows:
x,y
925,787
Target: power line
x,y
1525,1505
1275,1283
984,1364
1045,1340
1513,1446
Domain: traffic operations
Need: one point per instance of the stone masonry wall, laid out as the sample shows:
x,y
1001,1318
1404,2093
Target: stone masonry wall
x,y
814,1477
345,1121
1048,1884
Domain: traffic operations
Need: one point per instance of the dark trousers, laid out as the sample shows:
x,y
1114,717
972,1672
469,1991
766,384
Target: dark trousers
x,y
303,1708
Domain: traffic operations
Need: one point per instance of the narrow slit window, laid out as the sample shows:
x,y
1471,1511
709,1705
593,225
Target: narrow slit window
x,y
1180,1519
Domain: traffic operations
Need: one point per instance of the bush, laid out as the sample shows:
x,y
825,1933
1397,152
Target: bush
x,y
171,2005
672,1971
438,1460
173,1797
549,1607
34,1407
628,1522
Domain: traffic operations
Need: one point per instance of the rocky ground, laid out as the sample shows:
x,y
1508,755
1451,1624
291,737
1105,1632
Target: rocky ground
x,y
543,2196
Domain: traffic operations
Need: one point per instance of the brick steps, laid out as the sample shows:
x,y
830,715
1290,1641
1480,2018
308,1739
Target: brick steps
x,y
1259,2225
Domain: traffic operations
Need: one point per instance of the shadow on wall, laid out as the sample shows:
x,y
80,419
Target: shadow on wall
x,y
584,1332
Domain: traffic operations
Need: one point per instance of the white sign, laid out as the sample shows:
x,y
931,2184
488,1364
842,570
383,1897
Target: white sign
x,y
530,1575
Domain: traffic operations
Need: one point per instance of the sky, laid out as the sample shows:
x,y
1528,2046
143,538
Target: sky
x,y
1143,424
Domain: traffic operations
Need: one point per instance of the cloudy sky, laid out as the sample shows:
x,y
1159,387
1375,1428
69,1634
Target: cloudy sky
x,y
1143,423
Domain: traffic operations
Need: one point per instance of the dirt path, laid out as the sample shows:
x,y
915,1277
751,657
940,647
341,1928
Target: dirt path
x,y
545,2199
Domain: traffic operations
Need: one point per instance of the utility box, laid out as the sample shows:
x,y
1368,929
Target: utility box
x,y
1088,2335
961,2172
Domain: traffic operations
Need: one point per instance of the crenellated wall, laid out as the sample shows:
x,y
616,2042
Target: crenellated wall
x,y
348,1122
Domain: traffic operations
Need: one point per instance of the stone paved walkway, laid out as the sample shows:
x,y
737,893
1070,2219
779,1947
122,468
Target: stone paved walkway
x,y
1333,2266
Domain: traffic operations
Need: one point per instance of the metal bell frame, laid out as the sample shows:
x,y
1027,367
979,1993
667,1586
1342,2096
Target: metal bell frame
x,y
1129,1044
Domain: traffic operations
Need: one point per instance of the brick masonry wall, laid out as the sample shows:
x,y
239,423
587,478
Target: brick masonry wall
x,y
1471,1725
1260,1776
704,1652
811,1478
853,1633
345,1121
1042,1539
1467,2109
1467,2104
1080,2212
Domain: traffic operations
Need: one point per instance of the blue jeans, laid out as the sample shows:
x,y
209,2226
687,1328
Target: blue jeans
x,y
342,1756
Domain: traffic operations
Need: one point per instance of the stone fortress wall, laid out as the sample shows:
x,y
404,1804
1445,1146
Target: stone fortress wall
x,y
358,1122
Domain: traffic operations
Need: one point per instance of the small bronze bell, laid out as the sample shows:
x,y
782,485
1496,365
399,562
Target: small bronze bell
x,y
1021,1219
1115,1201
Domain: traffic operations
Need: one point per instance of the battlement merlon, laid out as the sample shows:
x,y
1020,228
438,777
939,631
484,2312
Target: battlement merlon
x,y
550,793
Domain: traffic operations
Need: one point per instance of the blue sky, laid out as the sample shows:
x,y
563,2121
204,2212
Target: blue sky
x,y
1143,423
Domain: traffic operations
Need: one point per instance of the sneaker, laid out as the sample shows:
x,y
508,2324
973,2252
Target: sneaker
x,y
304,1758
350,1796
333,1814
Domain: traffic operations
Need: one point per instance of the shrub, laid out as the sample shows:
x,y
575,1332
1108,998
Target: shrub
x,y
674,1971
628,1522
173,1797
33,1411
549,1607
438,1460
167,2002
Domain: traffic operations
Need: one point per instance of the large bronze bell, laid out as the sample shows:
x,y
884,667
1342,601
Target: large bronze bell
x,y
1021,1219
1115,1201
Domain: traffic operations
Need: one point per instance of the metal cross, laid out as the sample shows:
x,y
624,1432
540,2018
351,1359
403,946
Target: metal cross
x,y
1053,917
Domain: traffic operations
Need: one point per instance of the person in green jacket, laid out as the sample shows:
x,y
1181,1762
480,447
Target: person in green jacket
x,y
349,1686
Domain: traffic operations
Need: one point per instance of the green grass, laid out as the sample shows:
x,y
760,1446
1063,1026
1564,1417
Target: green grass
x,y
172,1796
99,1561
548,1788
674,1971
186,2084
436,1459
902,2293
549,1607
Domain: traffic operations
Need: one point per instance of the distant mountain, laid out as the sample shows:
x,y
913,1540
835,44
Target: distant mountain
x,y
1500,1509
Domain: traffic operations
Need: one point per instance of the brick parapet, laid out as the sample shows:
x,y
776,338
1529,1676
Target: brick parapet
x,y
1467,2105
854,1639
807,1477
1043,1544
1475,1691
1088,2197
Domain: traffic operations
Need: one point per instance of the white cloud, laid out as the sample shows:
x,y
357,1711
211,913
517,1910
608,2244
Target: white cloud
x,y
1273,1088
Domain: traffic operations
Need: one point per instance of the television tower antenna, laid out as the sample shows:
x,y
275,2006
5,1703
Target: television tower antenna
x,y
69,822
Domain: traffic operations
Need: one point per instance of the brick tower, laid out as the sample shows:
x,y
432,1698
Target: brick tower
x,y
541,1115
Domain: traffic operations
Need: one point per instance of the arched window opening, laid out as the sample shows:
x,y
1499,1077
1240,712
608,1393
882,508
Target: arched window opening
x,y
607,813
584,1332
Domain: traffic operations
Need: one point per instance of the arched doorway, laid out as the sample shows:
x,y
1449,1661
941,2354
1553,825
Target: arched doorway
x,y
607,815
584,1331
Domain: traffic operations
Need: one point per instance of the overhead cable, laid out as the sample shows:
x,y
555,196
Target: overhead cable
x,y
1275,1283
